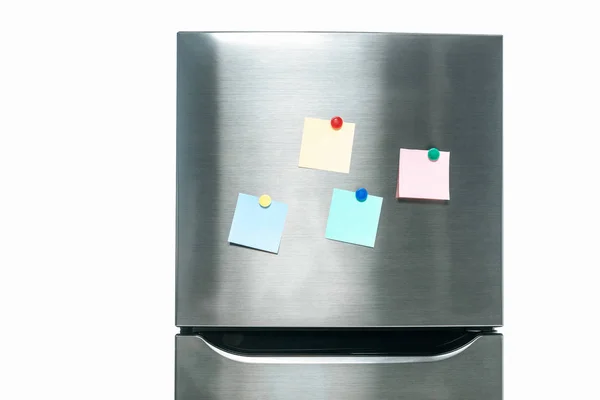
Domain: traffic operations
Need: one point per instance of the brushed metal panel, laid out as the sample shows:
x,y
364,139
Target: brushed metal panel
x,y
471,374
241,101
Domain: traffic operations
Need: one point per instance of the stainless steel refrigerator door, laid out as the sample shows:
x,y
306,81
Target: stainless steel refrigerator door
x,y
472,372
241,102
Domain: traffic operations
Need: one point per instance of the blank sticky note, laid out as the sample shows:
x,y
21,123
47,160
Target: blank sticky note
x,y
421,178
325,148
255,226
352,221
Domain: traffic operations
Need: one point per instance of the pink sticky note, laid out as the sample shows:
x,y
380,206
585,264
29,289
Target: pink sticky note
x,y
421,178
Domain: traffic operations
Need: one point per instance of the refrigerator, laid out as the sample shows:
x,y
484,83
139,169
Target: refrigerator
x,y
413,317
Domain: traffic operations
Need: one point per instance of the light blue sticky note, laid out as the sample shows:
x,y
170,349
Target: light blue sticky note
x,y
257,227
352,221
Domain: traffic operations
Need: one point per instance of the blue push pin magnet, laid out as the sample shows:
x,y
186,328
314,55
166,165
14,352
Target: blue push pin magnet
x,y
362,194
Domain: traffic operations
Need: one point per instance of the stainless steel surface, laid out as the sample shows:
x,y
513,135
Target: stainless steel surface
x,y
241,101
473,374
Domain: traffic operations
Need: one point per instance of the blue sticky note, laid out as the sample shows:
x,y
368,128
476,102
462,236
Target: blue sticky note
x,y
353,221
255,226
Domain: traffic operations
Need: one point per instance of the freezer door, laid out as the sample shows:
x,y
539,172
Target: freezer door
x,y
471,372
241,103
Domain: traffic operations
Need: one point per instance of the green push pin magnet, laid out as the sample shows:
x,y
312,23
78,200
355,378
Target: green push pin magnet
x,y
433,154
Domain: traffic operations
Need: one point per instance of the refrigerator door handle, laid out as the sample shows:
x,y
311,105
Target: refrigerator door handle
x,y
330,360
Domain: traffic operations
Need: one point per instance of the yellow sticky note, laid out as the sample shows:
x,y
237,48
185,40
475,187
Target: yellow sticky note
x,y
326,148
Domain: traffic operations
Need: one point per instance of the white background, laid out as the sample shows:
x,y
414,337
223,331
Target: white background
x,y
87,184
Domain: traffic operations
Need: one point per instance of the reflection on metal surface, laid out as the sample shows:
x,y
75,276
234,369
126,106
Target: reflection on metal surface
x,y
351,359
267,39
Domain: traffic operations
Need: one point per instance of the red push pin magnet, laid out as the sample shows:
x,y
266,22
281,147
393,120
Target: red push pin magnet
x,y
336,123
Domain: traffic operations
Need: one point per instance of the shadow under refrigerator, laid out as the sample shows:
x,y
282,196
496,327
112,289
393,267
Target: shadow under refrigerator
x,y
412,317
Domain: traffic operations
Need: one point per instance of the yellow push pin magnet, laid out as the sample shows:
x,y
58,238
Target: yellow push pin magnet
x,y
264,200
